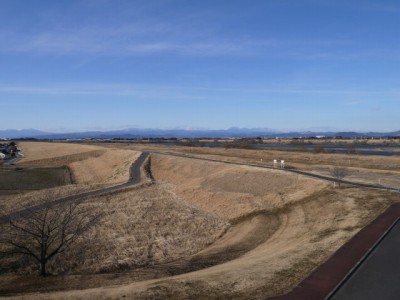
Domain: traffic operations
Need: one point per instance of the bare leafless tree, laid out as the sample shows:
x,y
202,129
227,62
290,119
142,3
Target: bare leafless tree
x,y
43,233
338,174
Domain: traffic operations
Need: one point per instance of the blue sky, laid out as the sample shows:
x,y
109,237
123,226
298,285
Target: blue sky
x,y
280,64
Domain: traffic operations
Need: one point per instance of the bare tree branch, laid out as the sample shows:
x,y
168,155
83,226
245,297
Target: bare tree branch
x,y
43,234
338,174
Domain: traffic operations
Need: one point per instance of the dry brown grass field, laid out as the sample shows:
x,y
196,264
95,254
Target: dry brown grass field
x,y
56,153
231,191
323,141
92,167
300,160
363,169
111,167
13,202
141,227
306,160
203,230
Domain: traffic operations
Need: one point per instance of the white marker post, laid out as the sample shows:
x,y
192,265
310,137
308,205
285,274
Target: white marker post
x,y
282,164
275,162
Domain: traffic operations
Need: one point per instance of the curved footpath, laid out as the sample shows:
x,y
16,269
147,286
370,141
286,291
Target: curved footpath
x,y
318,285
325,281
134,179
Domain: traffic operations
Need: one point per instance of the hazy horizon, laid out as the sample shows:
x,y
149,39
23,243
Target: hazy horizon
x,y
233,128
95,65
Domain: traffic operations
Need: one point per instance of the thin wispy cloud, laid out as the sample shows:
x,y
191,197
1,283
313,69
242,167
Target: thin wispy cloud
x,y
137,33
56,43
179,92
147,36
93,90
130,41
200,63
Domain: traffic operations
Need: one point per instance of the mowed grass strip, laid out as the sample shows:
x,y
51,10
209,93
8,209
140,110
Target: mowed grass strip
x,y
33,178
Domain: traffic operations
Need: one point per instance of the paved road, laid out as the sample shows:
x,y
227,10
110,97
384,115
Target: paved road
x,y
13,160
327,178
371,285
134,179
378,276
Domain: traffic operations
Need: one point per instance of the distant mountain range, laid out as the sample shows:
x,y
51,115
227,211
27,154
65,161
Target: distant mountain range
x,y
233,132
23,133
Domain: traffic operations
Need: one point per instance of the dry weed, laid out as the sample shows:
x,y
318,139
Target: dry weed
x,y
230,191
140,228
111,167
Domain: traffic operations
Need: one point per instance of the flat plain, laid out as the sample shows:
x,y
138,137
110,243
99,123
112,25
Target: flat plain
x,y
203,229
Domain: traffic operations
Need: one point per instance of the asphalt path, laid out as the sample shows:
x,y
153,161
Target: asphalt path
x,y
370,281
12,161
377,277
327,178
134,179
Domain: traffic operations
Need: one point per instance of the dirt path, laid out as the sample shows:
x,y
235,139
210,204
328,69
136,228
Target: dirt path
x,y
262,255
269,254
238,240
